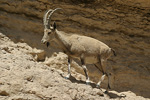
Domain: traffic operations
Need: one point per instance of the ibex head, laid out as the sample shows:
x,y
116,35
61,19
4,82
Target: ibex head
x,y
48,29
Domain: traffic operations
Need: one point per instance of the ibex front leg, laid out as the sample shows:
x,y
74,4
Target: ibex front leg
x,y
85,70
69,71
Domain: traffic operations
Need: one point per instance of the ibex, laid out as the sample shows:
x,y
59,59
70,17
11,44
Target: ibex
x,y
86,49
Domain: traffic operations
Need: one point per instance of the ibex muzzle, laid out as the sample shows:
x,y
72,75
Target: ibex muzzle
x,y
45,39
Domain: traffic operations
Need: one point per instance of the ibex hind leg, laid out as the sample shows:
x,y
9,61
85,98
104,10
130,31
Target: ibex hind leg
x,y
85,70
102,64
99,67
108,86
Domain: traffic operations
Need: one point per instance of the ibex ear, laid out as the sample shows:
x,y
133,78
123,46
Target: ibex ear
x,y
54,26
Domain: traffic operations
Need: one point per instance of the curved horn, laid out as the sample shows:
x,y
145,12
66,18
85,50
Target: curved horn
x,y
49,17
45,17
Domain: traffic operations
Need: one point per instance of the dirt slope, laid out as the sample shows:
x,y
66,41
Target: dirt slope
x,y
23,78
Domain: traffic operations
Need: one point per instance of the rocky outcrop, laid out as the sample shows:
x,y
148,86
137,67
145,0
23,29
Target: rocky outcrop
x,y
123,25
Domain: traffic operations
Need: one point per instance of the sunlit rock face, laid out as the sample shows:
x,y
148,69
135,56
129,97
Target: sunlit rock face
x,y
123,25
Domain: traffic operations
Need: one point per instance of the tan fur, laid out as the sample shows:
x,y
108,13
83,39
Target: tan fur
x,y
86,49
76,45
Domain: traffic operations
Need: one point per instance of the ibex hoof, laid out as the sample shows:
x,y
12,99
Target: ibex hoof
x,y
67,77
97,86
106,92
87,83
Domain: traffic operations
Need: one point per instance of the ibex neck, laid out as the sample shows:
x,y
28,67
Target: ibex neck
x,y
62,38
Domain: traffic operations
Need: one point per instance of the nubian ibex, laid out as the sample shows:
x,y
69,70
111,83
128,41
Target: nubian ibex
x,y
86,49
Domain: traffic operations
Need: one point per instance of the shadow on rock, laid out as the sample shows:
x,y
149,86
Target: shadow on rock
x,y
114,95
74,80
93,85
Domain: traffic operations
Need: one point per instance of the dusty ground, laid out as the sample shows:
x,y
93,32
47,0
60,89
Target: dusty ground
x,y
24,77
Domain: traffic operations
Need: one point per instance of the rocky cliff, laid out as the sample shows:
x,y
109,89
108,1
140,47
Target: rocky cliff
x,y
123,25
